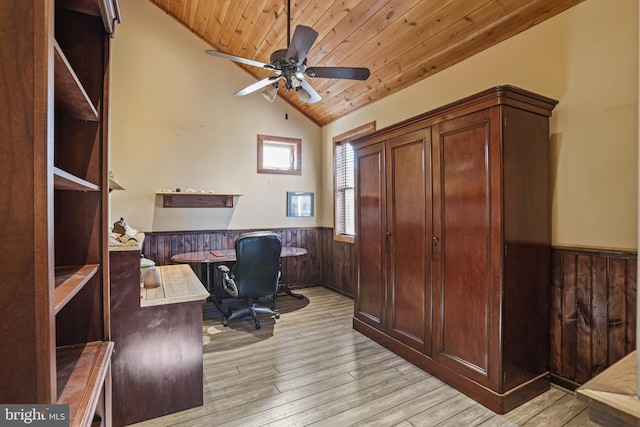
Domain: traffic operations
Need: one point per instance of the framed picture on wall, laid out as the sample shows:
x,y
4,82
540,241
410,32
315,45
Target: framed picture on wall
x,y
299,203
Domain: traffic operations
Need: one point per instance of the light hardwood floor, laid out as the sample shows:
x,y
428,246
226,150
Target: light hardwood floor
x,y
311,368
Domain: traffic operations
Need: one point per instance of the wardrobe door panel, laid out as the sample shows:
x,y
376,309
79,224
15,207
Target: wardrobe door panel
x,y
464,223
370,235
408,224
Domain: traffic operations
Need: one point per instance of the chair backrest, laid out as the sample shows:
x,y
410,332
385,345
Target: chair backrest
x,y
257,267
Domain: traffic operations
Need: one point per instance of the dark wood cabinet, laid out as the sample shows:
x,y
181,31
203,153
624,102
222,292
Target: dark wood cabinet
x,y
54,57
453,240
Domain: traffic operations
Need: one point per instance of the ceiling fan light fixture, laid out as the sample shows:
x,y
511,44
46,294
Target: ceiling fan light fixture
x,y
270,92
295,81
303,95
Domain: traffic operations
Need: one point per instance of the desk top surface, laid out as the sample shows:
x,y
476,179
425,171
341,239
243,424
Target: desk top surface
x,y
226,255
613,391
178,284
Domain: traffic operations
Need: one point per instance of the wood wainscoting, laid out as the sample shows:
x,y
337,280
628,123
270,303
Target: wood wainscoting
x,y
338,275
300,271
328,262
593,292
593,312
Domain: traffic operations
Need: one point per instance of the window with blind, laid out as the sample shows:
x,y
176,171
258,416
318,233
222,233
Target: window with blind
x,y
344,182
345,224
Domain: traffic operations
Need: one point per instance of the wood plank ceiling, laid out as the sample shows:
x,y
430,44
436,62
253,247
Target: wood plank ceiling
x,y
400,41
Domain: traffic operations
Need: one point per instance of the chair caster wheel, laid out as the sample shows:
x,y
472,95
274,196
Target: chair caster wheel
x,y
277,316
225,323
257,324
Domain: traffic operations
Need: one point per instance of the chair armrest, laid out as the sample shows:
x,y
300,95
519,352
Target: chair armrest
x,y
228,284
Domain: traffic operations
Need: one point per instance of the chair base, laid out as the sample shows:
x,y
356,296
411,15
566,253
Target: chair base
x,y
252,309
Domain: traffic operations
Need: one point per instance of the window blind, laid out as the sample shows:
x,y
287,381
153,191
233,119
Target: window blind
x,y
345,213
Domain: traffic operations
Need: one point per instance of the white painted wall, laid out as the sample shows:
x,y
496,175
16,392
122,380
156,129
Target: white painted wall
x,y
587,58
176,123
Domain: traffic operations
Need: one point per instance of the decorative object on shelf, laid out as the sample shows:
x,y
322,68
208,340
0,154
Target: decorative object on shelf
x,y
300,203
151,278
121,234
146,265
118,227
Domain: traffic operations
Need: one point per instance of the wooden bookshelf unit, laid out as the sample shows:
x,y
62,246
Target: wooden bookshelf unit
x,y
57,345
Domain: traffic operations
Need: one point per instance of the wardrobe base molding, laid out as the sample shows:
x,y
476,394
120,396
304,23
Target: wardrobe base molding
x,y
499,403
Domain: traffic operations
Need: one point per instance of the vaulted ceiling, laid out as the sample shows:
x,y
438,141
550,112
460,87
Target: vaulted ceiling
x,y
400,41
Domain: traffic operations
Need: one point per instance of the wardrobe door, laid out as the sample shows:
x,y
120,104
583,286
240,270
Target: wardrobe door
x,y
370,298
467,229
408,160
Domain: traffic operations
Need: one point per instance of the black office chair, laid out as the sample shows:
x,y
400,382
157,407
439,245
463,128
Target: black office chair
x,y
255,274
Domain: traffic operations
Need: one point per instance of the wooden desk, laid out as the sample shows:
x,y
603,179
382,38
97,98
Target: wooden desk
x,y
178,284
208,258
157,361
226,255
611,395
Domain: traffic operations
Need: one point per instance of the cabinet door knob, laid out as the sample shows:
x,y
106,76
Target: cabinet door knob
x,y
388,235
435,240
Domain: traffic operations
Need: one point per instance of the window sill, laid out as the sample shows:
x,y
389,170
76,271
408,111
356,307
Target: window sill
x,y
343,238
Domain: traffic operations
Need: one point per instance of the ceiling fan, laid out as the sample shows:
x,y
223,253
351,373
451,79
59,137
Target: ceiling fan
x,y
290,66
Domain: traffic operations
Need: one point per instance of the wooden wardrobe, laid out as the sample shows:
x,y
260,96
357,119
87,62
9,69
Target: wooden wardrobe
x,y
453,230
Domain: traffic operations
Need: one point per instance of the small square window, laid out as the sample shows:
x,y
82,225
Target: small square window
x,y
279,155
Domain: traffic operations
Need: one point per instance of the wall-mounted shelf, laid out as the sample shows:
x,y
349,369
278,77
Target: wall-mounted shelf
x,y
197,200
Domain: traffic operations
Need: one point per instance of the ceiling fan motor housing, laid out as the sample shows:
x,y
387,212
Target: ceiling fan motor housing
x,y
289,68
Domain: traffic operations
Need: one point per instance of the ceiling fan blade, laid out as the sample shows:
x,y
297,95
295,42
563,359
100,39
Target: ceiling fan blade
x,y
313,95
257,85
338,73
239,59
301,42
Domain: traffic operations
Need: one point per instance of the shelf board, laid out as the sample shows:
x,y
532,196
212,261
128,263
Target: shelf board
x,y
65,181
69,281
114,185
69,92
81,373
197,200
